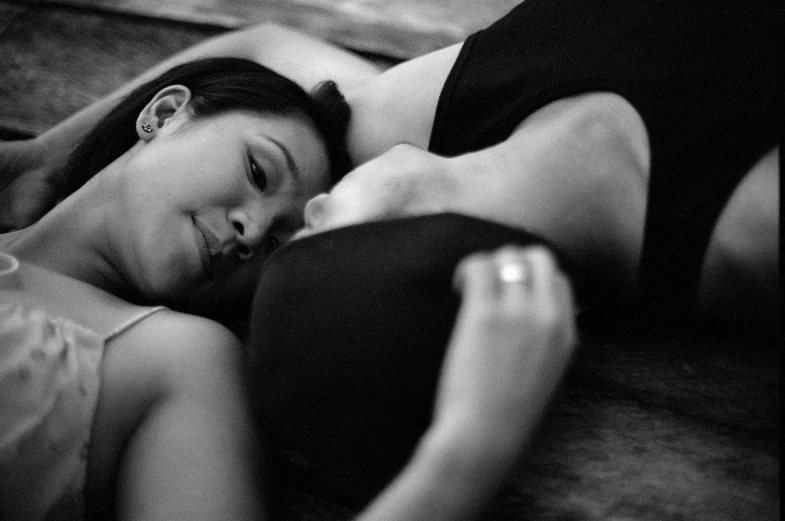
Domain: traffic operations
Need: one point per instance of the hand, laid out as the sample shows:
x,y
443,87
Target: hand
x,y
510,346
27,190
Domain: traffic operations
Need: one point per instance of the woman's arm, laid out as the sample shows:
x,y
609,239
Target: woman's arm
x,y
172,438
510,347
304,59
38,161
27,189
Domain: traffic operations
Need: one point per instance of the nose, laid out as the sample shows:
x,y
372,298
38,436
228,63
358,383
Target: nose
x,y
314,211
250,227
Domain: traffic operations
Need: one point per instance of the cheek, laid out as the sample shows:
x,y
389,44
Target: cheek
x,y
184,170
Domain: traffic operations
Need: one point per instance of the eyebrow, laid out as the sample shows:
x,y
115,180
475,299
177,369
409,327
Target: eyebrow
x,y
289,159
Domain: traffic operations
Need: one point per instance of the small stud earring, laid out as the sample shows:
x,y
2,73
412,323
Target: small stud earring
x,y
147,127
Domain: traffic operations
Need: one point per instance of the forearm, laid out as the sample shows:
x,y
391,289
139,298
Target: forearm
x,y
16,157
452,476
510,347
59,140
27,188
305,60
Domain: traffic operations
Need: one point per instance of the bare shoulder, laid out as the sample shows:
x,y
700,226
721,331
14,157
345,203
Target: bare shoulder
x,y
589,152
178,329
162,363
576,171
167,344
164,355
598,126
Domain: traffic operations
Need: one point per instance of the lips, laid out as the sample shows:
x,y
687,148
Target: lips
x,y
209,245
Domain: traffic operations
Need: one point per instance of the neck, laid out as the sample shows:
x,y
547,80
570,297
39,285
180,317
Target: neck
x,y
72,240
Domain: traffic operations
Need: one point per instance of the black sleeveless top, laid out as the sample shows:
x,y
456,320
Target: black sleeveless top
x,y
348,331
703,75
349,327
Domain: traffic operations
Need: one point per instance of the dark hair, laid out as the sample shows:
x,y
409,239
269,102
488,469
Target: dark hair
x,y
217,85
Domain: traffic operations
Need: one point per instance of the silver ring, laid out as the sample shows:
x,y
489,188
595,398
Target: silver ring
x,y
515,272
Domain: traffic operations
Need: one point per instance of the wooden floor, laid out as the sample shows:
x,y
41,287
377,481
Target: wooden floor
x,y
643,429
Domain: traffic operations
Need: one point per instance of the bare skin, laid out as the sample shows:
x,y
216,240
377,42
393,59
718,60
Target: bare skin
x,y
137,233
594,143
160,443
148,397
527,335
548,155
171,437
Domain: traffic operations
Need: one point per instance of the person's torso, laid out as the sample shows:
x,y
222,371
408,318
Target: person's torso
x,y
697,76
54,332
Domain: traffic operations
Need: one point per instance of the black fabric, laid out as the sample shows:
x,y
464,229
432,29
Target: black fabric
x,y
349,328
704,76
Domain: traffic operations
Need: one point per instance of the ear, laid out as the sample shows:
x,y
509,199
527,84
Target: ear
x,y
168,102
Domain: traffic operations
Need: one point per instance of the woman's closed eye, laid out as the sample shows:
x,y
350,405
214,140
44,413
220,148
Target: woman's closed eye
x,y
258,175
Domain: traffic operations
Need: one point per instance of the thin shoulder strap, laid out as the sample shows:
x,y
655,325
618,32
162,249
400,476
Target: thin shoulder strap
x,y
122,328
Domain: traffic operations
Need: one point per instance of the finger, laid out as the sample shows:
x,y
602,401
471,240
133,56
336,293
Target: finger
x,y
566,306
474,275
514,272
555,299
523,272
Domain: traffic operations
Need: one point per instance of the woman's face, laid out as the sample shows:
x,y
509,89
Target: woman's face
x,y
405,181
204,202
